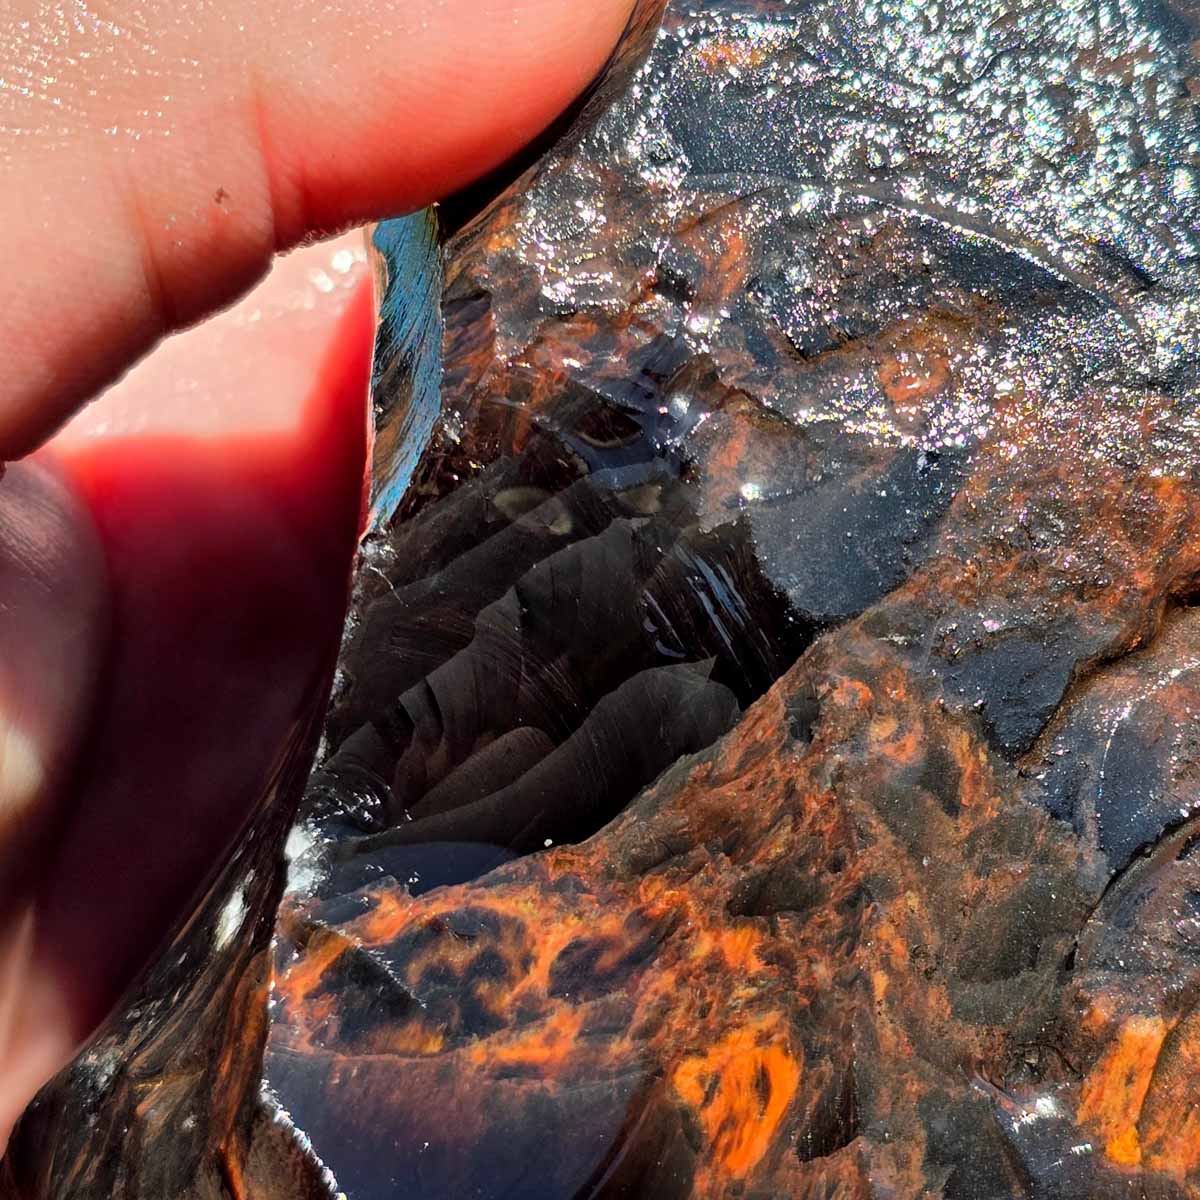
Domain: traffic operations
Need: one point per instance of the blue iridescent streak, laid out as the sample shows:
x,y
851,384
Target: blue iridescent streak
x,y
406,382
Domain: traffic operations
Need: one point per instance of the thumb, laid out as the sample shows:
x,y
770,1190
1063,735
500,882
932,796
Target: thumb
x,y
156,155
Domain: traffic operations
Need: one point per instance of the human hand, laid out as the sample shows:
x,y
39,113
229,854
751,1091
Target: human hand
x,y
168,600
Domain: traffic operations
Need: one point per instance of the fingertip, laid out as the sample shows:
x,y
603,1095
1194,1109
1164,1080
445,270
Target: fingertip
x,y
53,630
165,208
381,120
53,626
229,549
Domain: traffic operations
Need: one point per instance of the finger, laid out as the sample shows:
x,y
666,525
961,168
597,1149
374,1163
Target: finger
x,y
53,628
156,154
51,622
250,370
224,483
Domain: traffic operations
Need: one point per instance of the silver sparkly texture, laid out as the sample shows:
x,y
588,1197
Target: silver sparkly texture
x,y
894,155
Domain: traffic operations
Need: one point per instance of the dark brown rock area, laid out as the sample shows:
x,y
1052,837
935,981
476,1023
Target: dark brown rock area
x,y
763,761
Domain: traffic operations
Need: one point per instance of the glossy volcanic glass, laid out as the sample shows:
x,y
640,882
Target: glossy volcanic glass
x,y
763,757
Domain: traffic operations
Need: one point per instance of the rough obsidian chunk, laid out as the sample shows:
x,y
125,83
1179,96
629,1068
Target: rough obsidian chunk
x,y
763,757
846,654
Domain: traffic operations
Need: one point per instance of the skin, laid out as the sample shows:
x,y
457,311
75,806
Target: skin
x,y
157,157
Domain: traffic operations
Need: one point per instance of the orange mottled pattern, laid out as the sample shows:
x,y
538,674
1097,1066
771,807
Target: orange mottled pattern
x,y
811,934
740,1090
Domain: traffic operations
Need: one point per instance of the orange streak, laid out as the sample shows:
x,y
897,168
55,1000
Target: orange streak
x,y
740,1090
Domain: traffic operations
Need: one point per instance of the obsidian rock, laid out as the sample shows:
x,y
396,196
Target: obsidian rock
x,y
762,759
